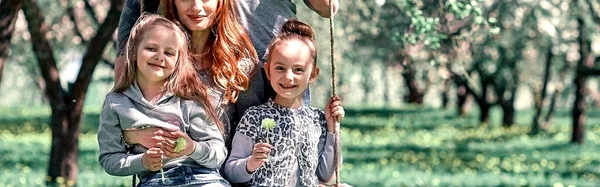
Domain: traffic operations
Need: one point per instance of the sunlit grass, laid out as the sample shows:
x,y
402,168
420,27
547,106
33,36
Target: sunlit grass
x,y
389,147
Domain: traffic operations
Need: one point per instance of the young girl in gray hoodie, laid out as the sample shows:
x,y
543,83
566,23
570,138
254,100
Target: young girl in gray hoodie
x,y
160,88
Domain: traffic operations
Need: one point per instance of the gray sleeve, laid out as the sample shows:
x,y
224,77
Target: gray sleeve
x,y
129,15
235,167
326,167
210,149
113,154
307,3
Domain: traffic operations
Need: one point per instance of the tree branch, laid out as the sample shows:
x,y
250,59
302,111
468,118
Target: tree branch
x,y
9,10
594,12
96,48
90,11
107,62
43,52
71,14
591,71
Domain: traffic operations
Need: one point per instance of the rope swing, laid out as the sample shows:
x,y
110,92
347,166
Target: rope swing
x,y
336,142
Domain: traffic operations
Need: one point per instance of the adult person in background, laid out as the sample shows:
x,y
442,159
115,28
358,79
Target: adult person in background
x,y
261,18
264,18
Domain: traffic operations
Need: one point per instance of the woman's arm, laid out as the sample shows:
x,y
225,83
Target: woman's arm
x,y
113,154
322,7
129,15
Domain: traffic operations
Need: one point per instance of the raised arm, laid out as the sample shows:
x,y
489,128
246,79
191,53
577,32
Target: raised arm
x,y
130,13
322,7
326,166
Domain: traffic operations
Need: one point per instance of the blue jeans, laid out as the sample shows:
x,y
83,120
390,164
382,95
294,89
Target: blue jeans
x,y
185,176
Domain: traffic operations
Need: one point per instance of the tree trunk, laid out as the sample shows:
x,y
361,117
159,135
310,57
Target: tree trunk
x,y
482,100
8,18
367,82
64,151
508,109
445,88
508,100
62,167
539,101
578,112
66,107
415,95
484,109
537,105
463,98
551,108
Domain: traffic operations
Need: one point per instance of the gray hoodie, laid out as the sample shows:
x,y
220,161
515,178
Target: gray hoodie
x,y
129,110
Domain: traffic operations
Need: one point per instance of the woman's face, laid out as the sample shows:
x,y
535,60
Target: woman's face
x,y
196,15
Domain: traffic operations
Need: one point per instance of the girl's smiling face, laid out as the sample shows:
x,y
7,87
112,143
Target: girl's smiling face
x,y
290,71
157,55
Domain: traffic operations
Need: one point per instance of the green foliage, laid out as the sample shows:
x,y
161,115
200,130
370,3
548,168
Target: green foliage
x,y
426,26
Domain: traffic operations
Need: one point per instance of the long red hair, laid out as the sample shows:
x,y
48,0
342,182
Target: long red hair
x,y
226,46
184,82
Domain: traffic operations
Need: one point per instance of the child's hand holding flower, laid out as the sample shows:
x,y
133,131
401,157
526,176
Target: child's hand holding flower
x,y
261,151
260,155
334,112
181,146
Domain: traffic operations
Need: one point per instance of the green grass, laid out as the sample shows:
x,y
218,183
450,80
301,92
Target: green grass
x,y
382,147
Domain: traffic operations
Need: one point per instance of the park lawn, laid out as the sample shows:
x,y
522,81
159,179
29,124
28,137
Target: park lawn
x,y
381,147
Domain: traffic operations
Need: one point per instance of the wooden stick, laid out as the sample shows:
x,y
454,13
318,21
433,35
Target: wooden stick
x,y
336,142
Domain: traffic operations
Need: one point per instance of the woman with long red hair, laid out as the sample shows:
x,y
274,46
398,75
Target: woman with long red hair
x,y
224,57
220,43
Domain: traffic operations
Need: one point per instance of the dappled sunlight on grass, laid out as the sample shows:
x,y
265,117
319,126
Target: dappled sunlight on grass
x,y
432,147
25,159
397,147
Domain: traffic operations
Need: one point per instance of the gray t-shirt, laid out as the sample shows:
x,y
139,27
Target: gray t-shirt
x,y
263,20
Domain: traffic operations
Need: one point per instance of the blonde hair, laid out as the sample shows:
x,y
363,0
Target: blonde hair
x,y
184,81
226,46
